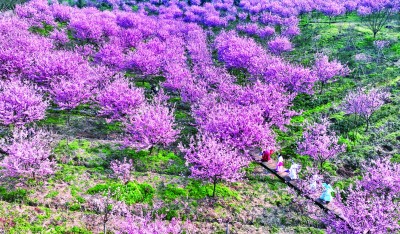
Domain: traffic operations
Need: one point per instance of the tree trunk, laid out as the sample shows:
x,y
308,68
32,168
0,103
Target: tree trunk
x,y
215,185
68,118
69,126
104,227
322,87
367,122
105,218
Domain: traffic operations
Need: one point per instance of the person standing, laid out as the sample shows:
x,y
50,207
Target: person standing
x,y
279,165
266,155
293,170
326,196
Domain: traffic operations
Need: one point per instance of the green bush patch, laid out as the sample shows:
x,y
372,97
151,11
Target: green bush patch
x,y
17,195
129,193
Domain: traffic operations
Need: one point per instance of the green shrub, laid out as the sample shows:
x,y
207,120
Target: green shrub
x,y
69,172
395,158
73,230
308,230
349,144
18,195
175,99
197,190
135,8
44,31
396,48
169,212
304,160
329,167
72,145
180,115
74,206
280,199
344,184
143,84
129,193
171,192
52,194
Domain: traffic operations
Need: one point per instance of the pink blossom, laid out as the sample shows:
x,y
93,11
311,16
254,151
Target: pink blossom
x,y
122,169
319,143
28,154
20,103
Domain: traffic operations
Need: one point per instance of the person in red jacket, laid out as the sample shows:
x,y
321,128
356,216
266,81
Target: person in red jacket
x,y
266,155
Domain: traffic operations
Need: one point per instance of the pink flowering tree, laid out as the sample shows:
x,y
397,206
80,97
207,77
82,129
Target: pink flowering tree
x,y
326,70
236,51
271,98
119,99
213,161
372,205
151,125
381,177
20,103
122,169
68,94
369,206
364,103
28,153
376,13
241,127
295,79
279,45
147,58
320,143
365,212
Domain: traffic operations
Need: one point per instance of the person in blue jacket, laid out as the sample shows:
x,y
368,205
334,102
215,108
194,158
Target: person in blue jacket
x,y
326,196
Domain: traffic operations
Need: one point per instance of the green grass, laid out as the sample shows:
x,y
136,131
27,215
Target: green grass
x,y
395,48
74,145
395,158
129,193
17,195
329,167
144,84
73,230
196,190
308,230
180,115
280,198
345,183
159,160
172,192
68,173
39,220
44,31
52,194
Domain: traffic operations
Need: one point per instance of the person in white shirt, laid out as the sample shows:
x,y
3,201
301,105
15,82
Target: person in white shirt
x,y
293,170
